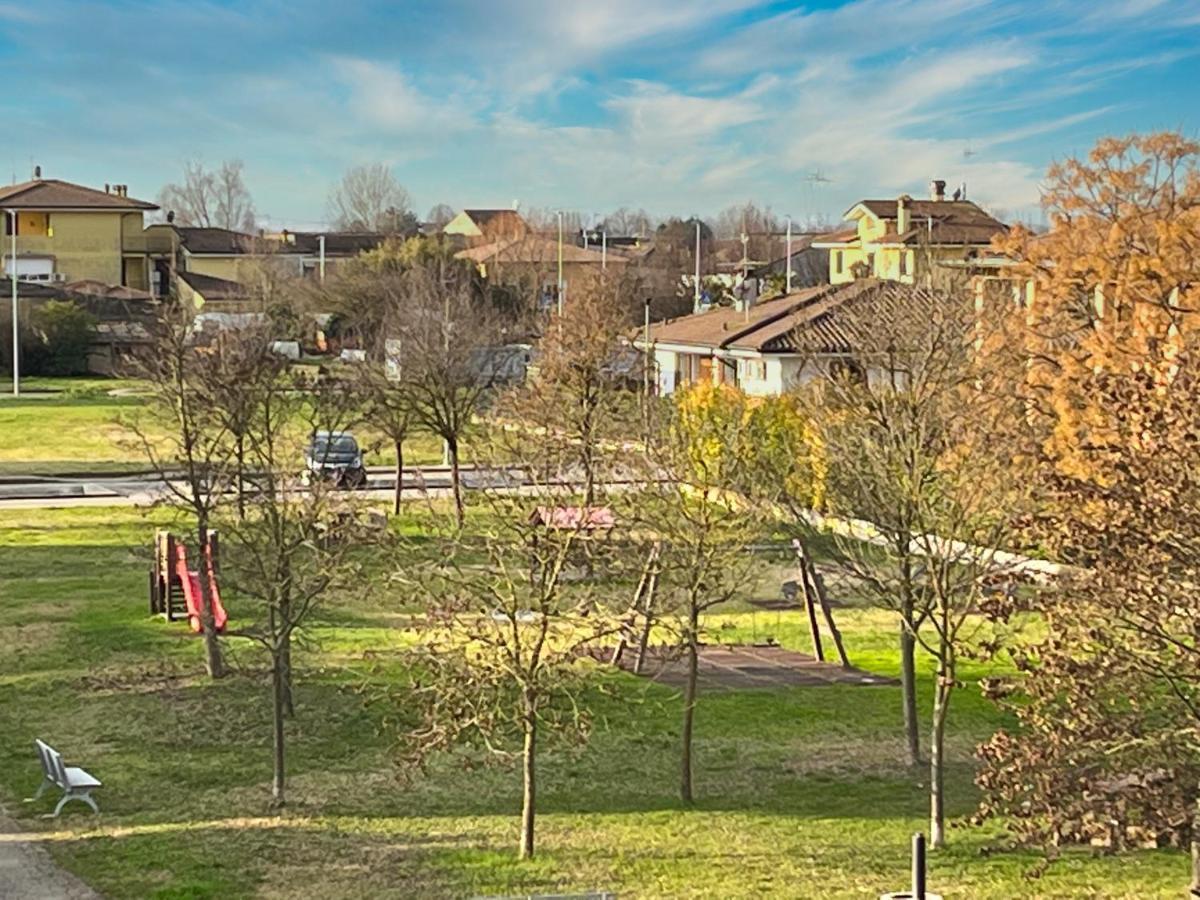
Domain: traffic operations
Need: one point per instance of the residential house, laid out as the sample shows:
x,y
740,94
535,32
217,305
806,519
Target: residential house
x,y
769,348
68,232
233,256
907,240
479,226
532,261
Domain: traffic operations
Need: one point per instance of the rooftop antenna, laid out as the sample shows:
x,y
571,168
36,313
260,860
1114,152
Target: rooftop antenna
x,y
815,179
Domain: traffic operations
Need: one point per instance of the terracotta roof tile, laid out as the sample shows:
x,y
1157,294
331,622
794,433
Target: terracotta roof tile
x,y
51,193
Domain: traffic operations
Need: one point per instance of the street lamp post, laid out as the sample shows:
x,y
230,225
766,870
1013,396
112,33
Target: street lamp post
x,y
560,263
16,330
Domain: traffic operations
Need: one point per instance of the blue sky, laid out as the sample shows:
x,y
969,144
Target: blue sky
x,y
678,106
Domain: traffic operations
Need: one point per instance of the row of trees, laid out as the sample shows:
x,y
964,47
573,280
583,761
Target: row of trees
x,y
369,197
968,427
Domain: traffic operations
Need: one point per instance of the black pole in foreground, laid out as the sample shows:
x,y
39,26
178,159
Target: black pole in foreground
x,y
918,866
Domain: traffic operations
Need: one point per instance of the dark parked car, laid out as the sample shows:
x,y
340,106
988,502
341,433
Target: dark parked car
x,y
335,455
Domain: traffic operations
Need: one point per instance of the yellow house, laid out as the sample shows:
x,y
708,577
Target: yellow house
x,y
907,240
67,232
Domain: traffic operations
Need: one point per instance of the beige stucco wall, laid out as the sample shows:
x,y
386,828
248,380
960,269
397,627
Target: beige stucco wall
x,y
84,245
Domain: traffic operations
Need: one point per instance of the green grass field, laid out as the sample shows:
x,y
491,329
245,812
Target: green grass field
x,y
64,426
802,791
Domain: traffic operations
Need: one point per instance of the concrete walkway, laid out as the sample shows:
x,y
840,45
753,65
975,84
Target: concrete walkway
x,y
28,873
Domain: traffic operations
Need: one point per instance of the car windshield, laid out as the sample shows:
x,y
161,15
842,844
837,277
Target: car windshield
x,y
339,444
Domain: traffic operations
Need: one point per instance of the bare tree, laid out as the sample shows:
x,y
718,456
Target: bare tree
x,y
582,401
207,198
451,351
500,651
705,527
920,474
369,198
439,214
626,222
295,541
195,458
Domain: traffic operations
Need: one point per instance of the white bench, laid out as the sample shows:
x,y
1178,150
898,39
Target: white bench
x,y
75,783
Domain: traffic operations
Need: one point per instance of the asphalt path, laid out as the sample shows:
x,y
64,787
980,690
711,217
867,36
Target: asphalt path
x,y
32,492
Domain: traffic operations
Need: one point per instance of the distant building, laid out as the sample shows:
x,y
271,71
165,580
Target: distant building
x,y
909,240
532,261
483,225
67,232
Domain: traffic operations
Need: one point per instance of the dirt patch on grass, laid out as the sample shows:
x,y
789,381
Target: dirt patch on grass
x,y
884,757
748,666
150,678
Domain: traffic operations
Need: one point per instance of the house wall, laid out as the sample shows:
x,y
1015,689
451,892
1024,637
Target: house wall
x,y
462,224
84,245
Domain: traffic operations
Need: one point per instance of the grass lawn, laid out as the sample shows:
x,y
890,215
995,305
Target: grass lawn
x,y
802,791
63,426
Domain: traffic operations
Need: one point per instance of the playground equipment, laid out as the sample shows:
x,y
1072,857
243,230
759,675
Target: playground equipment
x,y
175,589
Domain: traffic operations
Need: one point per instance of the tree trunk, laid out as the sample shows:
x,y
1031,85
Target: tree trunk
x,y
689,706
278,688
460,512
1196,848
937,758
285,662
241,481
908,694
399,478
529,772
214,663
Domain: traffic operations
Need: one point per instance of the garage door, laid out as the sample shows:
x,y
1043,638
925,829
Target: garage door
x,y
31,268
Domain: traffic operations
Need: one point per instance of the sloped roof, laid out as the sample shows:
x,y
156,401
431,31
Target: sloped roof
x,y
535,249
337,243
217,241
823,319
93,288
51,193
213,288
942,221
722,325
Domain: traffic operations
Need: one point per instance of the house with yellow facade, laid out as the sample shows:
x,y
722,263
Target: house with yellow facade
x,y
910,241
66,232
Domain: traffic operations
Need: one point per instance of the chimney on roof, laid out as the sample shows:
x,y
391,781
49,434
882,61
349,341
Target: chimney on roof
x,y
170,217
963,189
903,213
106,187
937,190
37,172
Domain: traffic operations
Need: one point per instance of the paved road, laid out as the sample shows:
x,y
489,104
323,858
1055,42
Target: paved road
x,y
144,490
28,873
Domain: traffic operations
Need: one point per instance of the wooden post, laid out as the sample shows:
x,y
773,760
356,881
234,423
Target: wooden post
x,y
827,611
811,607
647,611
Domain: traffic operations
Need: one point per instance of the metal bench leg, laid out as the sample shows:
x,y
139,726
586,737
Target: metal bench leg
x,y
46,782
83,796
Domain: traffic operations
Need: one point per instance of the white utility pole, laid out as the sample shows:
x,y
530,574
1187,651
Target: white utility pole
x,y
560,263
789,256
321,259
696,300
16,328
604,250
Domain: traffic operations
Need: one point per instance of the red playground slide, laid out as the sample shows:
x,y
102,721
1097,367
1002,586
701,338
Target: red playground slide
x,y
190,579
